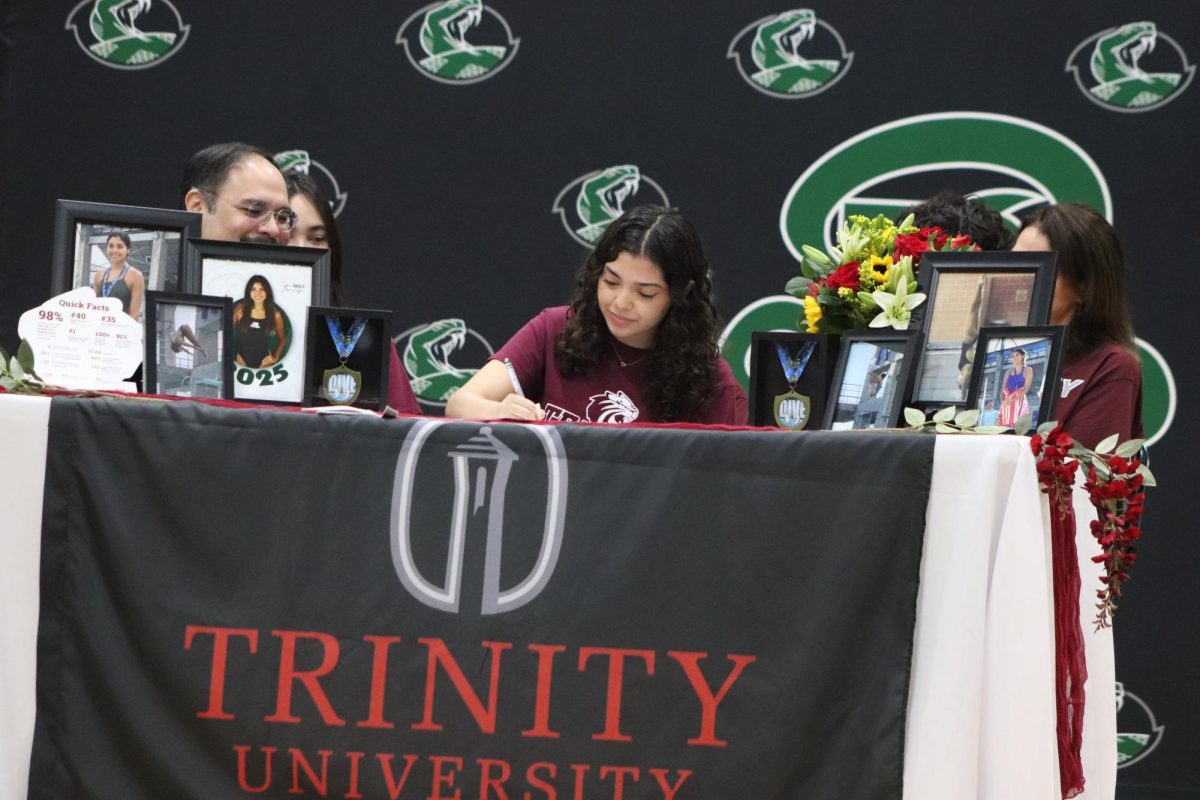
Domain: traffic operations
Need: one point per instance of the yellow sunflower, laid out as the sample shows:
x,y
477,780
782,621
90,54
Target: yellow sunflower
x,y
879,268
812,313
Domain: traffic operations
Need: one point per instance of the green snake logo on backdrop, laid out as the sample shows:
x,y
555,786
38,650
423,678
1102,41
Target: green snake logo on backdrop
x,y
301,161
779,68
1119,78
426,351
1138,733
1013,164
602,196
119,42
445,54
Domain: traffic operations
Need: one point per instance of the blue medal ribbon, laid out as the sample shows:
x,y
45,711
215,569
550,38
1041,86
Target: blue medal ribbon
x,y
345,341
793,365
106,287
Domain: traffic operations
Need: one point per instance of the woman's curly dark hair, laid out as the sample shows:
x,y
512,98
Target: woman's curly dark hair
x,y
681,374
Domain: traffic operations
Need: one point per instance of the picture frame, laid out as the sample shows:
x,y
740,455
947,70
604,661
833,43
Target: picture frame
x,y
775,403
964,292
873,379
188,340
1039,350
268,350
362,375
155,248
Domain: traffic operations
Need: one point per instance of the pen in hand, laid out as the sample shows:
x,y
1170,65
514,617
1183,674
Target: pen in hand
x,y
512,377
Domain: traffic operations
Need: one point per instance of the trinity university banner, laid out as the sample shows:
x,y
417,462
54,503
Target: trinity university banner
x,y
243,603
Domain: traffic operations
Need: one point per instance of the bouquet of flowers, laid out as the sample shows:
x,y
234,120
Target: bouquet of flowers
x,y
869,279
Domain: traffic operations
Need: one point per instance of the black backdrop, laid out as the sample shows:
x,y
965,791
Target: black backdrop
x,y
449,189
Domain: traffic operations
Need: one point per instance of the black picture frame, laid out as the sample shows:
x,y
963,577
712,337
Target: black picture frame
x,y
966,291
370,357
171,365
159,236
1042,347
860,371
296,279
768,382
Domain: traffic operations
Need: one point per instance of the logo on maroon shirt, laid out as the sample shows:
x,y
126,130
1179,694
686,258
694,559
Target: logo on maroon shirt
x,y
615,407
482,463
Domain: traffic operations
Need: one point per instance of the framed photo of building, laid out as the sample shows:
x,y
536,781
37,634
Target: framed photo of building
x,y
121,251
347,359
789,378
1016,373
966,292
271,288
873,379
187,345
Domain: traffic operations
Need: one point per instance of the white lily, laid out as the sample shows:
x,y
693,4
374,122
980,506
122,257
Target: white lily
x,y
895,309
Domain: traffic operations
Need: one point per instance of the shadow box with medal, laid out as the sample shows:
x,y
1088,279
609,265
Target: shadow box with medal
x,y
348,355
790,376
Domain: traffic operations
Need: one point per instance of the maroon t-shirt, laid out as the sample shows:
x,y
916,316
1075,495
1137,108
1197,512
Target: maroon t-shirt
x,y
607,392
1101,394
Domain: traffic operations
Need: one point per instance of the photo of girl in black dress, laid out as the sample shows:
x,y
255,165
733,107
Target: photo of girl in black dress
x,y
259,326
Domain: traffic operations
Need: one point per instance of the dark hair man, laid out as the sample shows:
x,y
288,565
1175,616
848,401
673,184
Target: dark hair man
x,y
240,192
955,214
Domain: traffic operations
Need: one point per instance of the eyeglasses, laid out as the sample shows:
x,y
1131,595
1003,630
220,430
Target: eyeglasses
x,y
285,218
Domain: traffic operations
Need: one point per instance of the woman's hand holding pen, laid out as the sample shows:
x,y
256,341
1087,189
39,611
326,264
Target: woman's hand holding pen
x,y
514,406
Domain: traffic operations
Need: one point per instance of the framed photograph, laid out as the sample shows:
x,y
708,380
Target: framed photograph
x,y
789,378
347,359
272,288
187,345
121,251
873,379
1017,373
966,292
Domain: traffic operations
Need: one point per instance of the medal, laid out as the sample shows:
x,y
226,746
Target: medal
x,y
793,409
341,384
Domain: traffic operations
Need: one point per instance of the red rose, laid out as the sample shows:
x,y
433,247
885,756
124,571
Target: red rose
x,y
910,244
845,276
962,240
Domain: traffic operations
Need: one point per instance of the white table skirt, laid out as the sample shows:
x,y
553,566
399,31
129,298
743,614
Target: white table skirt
x,y
981,707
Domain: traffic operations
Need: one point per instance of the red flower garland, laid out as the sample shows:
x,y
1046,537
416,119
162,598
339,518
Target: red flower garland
x,y
1116,487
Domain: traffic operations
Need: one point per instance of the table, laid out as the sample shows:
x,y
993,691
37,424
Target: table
x,y
980,717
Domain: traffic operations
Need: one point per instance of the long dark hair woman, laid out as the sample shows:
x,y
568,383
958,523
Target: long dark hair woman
x,y
638,341
121,280
1101,391
256,320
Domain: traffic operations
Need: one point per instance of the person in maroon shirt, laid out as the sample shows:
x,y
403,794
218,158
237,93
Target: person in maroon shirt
x,y
1101,389
638,342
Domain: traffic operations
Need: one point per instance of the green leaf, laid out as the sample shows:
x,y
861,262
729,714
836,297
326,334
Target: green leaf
x,y
945,415
25,355
3,358
967,418
1147,476
15,369
7,382
1130,449
1101,466
943,428
868,300
1023,425
798,286
992,429
816,255
1046,427
914,417
808,270
1108,444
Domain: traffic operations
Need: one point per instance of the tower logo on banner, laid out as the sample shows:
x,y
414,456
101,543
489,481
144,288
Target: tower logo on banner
x,y
1132,68
790,55
589,203
484,460
300,161
128,34
441,51
426,350
1138,733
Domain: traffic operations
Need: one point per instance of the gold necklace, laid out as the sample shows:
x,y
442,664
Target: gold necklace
x,y
622,361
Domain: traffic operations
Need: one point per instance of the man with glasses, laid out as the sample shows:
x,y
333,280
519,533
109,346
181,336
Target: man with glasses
x,y
240,192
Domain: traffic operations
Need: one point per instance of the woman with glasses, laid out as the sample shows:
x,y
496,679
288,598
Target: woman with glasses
x,y
638,343
259,338
316,227
121,280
